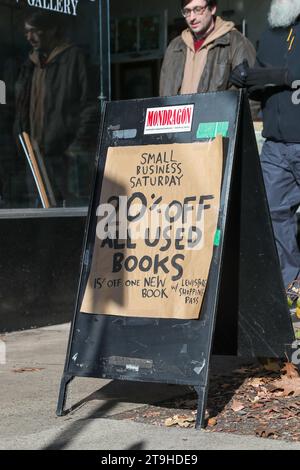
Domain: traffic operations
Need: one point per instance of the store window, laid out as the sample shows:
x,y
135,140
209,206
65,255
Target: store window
x,y
138,41
50,92
140,33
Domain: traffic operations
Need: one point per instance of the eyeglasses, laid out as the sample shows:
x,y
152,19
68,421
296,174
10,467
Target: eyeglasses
x,y
186,12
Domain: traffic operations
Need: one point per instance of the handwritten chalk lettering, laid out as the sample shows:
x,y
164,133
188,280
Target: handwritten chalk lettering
x,y
191,301
133,283
116,218
114,283
99,282
116,244
158,181
191,292
159,169
154,294
136,207
147,263
196,283
190,238
68,7
190,204
154,282
160,157
186,237
173,211
193,240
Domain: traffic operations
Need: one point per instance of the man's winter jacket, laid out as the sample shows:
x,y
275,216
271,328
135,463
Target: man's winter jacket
x,y
280,48
223,54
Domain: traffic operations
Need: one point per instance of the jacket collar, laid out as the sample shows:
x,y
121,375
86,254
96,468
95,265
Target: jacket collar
x,y
222,41
55,55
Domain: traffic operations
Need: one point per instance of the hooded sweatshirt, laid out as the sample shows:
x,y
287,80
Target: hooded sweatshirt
x,y
38,91
196,61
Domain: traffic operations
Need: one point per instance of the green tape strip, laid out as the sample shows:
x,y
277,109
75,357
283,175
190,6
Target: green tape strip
x,y
209,130
217,239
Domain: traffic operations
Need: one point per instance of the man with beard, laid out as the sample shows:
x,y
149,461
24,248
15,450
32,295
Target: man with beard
x,y
271,82
201,58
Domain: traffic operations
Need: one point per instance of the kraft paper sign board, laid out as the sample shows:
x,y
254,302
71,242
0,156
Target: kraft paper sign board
x,y
161,271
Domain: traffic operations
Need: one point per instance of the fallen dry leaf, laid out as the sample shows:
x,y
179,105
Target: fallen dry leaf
x,y
290,370
182,421
237,406
258,405
271,410
272,365
255,399
212,422
256,382
292,407
263,393
170,422
264,432
287,385
27,369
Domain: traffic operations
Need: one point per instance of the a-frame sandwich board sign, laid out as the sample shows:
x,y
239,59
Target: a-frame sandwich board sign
x,y
244,310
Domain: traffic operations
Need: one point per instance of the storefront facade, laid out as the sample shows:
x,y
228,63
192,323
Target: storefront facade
x,y
60,60
49,119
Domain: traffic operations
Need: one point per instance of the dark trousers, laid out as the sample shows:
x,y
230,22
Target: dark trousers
x,y
281,170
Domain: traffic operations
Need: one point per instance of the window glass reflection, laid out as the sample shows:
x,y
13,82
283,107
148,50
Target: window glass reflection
x,y
49,125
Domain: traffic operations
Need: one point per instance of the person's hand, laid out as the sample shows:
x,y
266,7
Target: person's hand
x,y
239,75
261,77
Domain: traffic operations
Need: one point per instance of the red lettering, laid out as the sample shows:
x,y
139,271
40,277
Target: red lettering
x,y
160,117
150,118
165,114
169,117
189,114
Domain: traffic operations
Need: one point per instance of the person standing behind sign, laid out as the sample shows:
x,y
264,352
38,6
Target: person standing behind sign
x,y
201,59
54,103
271,82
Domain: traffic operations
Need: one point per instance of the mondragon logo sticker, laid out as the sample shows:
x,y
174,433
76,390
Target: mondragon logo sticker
x,y
169,119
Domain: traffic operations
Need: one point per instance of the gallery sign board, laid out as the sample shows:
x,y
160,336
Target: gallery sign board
x,y
67,7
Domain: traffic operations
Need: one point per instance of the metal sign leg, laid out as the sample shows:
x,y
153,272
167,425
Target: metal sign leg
x,y
65,381
200,418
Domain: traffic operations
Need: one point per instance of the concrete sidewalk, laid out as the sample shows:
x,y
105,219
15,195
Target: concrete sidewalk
x,y
29,399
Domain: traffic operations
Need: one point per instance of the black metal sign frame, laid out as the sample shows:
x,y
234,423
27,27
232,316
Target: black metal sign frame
x,y
244,310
